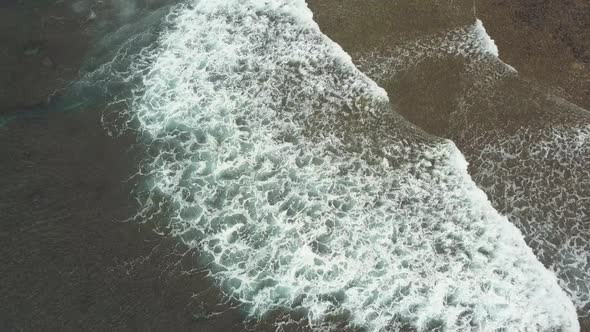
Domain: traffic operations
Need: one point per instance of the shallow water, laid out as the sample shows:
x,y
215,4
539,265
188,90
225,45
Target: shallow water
x,y
527,146
299,194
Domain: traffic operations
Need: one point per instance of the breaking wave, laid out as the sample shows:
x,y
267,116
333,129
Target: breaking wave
x,y
528,148
303,191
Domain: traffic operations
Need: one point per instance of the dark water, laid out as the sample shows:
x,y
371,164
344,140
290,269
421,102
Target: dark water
x,y
70,263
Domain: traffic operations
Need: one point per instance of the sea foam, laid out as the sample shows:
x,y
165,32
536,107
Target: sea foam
x,y
535,173
303,191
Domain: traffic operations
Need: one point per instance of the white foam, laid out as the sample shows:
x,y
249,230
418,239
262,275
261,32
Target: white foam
x,y
470,42
487,44
558,238
268,147
555,212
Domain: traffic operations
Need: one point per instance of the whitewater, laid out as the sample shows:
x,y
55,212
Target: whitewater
x,y
305,192
528,148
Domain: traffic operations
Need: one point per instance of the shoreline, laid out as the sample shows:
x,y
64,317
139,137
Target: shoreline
x,y
62,197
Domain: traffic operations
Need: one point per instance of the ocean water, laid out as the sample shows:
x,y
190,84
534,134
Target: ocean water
x,y
282,162
527,146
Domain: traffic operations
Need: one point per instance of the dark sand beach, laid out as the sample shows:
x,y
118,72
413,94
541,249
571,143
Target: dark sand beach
x,y
70,262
